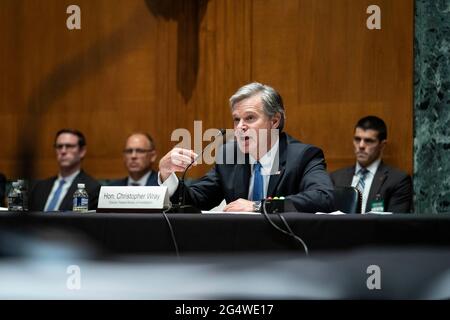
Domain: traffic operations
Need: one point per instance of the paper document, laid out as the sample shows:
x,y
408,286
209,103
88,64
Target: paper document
x,y
373,212
332,213
232,212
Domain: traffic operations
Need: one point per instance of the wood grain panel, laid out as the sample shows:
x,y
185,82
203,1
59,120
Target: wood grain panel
x,y
332,71
158,65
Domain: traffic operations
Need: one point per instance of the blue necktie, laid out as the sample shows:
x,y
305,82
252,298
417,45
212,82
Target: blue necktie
x,y
258,193
362,177
56,195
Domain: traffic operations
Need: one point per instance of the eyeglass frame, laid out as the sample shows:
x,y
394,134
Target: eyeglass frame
x,y
68,146
139,151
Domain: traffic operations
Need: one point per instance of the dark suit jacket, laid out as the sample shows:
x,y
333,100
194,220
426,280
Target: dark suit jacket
x,y
40,191
2,190
394,186
302,177
151,181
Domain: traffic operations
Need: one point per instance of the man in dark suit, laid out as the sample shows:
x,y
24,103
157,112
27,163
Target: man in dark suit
x,y
381,186
138,155
56,193
273,164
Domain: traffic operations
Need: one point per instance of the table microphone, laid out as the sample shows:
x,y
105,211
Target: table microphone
x,y
181,207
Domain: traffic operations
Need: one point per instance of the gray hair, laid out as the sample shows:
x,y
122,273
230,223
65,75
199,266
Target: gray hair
x,y
272,102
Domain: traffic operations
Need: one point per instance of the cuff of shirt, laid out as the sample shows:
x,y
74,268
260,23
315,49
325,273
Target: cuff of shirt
x,y
171,183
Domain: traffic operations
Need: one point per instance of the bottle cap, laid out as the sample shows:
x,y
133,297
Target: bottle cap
x,y
80,185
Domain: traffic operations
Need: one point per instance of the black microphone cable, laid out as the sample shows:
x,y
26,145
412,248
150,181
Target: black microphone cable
x,y
181,197
172,233
289,232
181,201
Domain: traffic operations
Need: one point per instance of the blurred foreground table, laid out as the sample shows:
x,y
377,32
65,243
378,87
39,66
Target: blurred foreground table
x,y
225,233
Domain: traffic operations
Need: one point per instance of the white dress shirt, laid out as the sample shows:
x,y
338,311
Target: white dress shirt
x,y
68,182
267,169
367,182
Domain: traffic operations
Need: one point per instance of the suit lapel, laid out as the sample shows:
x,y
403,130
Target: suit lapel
x,y
278,170
378,180
45,193
242,180
67,202
348,176
274,181
241,173
152,178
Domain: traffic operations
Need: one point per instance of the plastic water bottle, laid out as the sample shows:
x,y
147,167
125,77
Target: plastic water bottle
x,y
80,199
15,199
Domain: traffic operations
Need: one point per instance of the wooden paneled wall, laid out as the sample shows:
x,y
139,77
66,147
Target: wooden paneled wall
x,y
158,65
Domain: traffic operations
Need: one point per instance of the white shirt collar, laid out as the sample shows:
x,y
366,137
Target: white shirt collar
x,y
372,168
267,160
142,181
69,179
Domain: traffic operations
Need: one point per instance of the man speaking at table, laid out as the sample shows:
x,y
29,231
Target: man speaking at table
x,y
275,165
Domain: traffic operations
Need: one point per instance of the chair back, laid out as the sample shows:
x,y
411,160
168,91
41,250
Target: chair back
x,y
347,199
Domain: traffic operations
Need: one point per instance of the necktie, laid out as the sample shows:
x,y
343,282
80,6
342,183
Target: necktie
x,y
56,195
362,177
135,184
258,193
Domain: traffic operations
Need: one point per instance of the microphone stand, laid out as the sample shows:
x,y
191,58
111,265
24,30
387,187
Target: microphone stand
x,y
181,207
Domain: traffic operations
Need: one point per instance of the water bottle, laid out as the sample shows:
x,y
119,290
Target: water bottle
x,y
15,200
80,199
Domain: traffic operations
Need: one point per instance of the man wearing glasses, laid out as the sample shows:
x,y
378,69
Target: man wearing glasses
x,y
56,193
138,156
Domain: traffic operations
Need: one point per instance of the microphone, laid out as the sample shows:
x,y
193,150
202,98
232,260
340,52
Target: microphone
x,y
181,207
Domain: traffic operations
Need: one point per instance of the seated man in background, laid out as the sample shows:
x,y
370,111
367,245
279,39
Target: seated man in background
x,y
376,180
138,156
285,167
2,190
56,193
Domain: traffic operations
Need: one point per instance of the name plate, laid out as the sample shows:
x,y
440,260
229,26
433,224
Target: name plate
x,y
133,199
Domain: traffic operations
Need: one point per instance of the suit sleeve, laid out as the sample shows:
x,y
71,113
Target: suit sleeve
x,y
36,201
316,188
205,193
401,196
333,178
